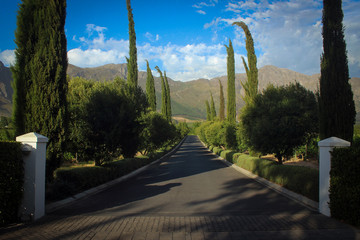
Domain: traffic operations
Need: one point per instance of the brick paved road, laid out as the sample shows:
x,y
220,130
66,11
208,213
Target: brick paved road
x,y
192,195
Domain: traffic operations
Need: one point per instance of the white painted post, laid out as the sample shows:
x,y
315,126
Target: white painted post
x,y
34,149
325,147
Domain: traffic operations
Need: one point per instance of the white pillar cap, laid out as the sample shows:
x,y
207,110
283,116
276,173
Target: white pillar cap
x,y
333,142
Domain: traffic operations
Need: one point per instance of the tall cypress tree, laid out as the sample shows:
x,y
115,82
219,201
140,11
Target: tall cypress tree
x,y
222,103
41,63
336,104
212,108
168,99
23,35
208,111
231,107
150,88
251,85
163,94
132,67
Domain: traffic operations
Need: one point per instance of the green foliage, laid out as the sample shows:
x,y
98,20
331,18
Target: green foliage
x,y
336,105
11,181
7,133
222,103
105,119
164,95
231,103
183,128
72,180
208,111
78,94
132,60
251,85
280,119
168,99
40,75
230,136
345,184
157,132
212,108
215,134
150,88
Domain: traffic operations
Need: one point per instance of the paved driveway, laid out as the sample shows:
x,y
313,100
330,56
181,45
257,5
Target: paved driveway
x,y
191,195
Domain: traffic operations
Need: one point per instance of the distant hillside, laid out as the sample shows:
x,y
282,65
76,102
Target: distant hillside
x,y
6,91
188,98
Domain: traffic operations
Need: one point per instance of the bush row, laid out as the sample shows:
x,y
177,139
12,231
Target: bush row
x,y
11,181
72,180
345,184
302,180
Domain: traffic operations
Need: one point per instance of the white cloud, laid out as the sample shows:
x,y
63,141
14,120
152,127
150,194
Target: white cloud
x,y
286,33
182,63
201,12
7,57
151,37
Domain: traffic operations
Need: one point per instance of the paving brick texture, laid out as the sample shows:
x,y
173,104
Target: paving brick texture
x,y
191,195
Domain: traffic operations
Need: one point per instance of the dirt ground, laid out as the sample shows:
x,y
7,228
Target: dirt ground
x,y
311,163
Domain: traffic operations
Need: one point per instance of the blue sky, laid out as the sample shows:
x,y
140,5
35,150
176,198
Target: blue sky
x,y
186,37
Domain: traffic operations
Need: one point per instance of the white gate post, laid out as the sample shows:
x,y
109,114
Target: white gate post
x,y
34,149
325,147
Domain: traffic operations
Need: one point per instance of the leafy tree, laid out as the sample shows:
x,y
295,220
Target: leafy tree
x,y
158,131
208,111
280,119
336,104
79,90
222,103
251,85
112,121
132,60
183,128
168,99
231,105
150,88
212,108
40,84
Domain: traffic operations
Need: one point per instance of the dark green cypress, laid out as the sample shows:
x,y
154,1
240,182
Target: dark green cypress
x,y
208,111
24,35
222,103
336,104
212,108
168,99
231,106
150,87
45,86
132,67
251,85
163,94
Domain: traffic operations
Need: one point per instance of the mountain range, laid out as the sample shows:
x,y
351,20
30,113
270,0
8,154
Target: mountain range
x,y
188,98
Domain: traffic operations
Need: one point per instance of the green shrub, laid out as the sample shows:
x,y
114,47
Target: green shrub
x,y
217,150
11,181
345,184
215,134
227,154
302,180
230,136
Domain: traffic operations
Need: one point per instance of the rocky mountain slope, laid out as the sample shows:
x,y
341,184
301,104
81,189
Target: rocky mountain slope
x,y
188,98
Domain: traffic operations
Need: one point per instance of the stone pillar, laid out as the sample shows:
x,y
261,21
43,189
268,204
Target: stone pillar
x,y
34,155
325,147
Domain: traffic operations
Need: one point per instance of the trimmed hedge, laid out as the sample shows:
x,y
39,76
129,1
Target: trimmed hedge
x,y
11,181
345,184
69,181
302,180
